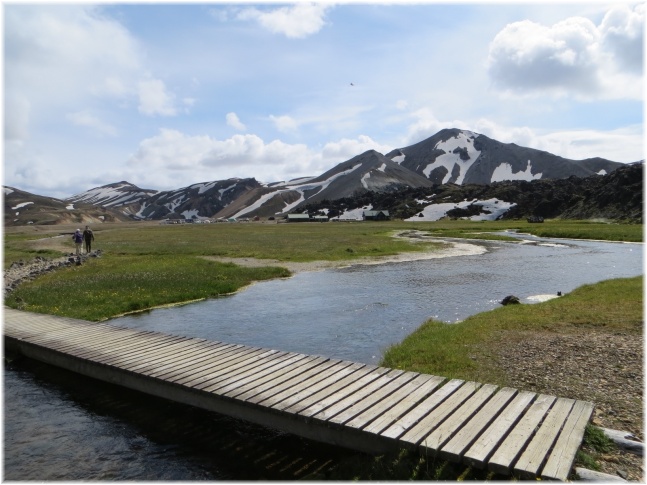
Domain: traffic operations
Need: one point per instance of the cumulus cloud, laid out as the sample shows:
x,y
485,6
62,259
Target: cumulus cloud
x,y
284,123
297,21
154,99
175,158
234,122
62,58
573,56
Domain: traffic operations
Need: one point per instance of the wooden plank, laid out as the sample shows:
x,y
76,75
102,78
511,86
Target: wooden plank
x,y
463,439
376,393
135,361
143,362
272,374
250,367
256,374
63,338
503,458
228,366
355,397
413,416
210,357
457,418
561,459
401,402
534,455
336,392
219,365
303,380
179,357
292,402
486,444
279,383
137,345
215,361
195,356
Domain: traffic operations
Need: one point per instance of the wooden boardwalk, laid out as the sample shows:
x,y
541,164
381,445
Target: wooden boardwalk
x,y
355,405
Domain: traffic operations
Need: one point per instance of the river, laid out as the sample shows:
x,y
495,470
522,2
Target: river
x,y
60,426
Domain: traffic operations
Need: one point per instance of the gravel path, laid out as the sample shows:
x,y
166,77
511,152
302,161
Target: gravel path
x,y
601,367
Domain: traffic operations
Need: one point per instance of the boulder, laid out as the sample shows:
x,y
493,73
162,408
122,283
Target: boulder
x,y
510,300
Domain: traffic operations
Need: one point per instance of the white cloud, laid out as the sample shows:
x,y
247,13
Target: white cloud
x,y
344,149
16,120
154,99
83,118
573,56
298,21
284,123
234,122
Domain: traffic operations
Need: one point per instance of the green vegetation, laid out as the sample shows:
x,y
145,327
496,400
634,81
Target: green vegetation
x,y
112,286
468,349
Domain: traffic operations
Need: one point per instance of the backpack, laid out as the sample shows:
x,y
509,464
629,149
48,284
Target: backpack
x,y
78,238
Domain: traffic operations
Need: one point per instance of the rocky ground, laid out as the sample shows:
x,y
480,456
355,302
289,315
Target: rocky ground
x,y
21,271
601,367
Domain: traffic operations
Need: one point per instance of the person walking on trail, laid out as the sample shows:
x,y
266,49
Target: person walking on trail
x,y
77,237
88,237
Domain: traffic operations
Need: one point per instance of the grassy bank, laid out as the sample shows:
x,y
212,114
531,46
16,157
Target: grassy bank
x,y
468,349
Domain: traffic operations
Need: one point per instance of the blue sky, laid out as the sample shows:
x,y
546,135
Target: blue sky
x,y
167,95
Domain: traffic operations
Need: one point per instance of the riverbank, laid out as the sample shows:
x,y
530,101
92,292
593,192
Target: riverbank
x,y
585,345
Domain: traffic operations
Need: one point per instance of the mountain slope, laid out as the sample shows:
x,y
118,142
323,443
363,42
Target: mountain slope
x,y
22,208
370,171
463,157
113,195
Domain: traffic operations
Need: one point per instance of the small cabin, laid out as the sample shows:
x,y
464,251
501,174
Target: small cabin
x,y
376,215
298,218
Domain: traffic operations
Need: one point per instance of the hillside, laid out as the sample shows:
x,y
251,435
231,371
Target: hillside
x,y
22,208
617,196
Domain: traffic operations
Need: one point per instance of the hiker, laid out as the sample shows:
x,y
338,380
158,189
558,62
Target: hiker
x,y
77,237
88,237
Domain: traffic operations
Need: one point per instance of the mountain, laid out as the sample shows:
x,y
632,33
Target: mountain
x,y
370,171
451,161
22,208
114,195
463,157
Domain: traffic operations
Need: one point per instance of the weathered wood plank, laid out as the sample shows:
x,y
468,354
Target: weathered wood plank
x,y
273,378
375,394
486,444
255,373
503,458
338,391
195,356
413,416
561,459
241,354
455,448
277,383
288,394
534,455
303,398
181,356
210,357
455,419
402,401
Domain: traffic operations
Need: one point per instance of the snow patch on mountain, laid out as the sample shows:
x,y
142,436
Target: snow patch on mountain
x,y
504,172
353,214
435,212
301,188
20,206
452,147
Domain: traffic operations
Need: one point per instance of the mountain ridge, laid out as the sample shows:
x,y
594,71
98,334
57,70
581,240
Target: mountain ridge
x,y
451,157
